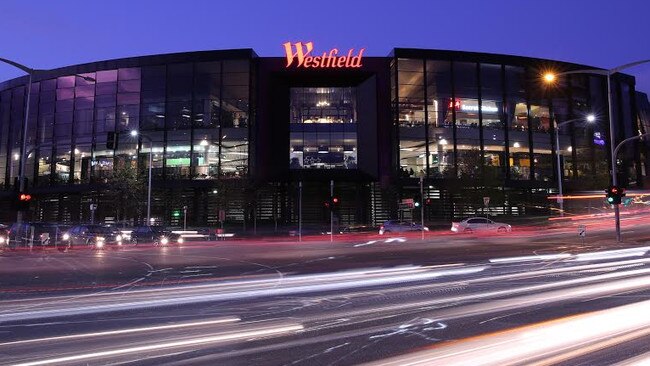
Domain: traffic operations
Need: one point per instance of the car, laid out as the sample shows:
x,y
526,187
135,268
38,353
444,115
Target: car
x,y
34,234
4,230
92,236
157,235
395,226
479,224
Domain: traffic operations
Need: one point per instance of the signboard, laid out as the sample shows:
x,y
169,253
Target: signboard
x,y
300,54
93,206
406,203
582,231
486,201
222,215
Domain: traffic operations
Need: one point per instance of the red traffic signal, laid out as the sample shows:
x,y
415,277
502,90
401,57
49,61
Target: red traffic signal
x,y
24,197
335,200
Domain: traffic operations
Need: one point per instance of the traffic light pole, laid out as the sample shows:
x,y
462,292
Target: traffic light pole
x,y
617,213
615,180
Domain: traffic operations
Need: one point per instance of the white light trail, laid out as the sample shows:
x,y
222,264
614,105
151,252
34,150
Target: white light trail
x,y
125,331
542,343
224,337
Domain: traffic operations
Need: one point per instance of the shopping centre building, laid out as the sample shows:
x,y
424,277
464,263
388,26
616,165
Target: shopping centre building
x,y
234,132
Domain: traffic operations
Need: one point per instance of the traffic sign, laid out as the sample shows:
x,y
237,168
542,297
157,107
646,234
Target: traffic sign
x,y
222,215
486,201
93,206
582,231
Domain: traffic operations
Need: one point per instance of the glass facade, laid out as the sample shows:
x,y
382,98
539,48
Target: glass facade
x,y
323,128
195,113
494,122
461,121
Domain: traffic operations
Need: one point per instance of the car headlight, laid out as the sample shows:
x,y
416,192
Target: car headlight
x,y
100,244
164,240
180,240
100,238
2,239
426,228
118,238
66,236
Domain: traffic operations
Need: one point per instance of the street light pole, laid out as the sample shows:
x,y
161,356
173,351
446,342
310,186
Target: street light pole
x,y
558,150
550,77
23,147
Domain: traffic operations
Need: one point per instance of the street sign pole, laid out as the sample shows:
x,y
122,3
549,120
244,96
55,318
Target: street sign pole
x,y
184,218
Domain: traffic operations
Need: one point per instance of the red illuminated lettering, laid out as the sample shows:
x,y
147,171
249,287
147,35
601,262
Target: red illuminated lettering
x,y
300,54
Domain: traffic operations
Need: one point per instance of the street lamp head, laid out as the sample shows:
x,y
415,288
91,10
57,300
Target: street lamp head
x,y
549,77
591,118
134,133
88,79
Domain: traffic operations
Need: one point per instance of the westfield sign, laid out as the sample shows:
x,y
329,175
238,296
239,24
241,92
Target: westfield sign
x,y
300,55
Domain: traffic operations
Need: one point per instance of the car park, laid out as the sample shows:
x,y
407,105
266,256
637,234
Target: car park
x,y
156,235
92,236
395,226
479,224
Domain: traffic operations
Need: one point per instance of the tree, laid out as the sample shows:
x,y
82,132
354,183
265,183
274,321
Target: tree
x,y
125,191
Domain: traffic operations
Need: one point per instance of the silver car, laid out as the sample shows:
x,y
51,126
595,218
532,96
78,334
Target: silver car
x,y
479,224
394,226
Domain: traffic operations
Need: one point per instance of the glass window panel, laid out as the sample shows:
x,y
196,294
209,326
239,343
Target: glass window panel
x,y
62,94
128,98
62,164
177,154
129,86
106,76
322,116
82,163
128,117
106,88
438,86
65,82
129,73
48,85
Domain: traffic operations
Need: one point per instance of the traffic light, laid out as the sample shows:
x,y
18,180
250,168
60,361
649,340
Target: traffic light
x,y
615,195
176,213
22,201
110,141
428,202
332,203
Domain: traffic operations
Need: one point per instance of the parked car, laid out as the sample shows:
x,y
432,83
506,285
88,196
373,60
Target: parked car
x,y
479,224
92,236
157,235
34,234
4,230
395,226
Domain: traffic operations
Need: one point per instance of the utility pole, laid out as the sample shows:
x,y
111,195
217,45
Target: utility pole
x,y
331,212
422,205
300,211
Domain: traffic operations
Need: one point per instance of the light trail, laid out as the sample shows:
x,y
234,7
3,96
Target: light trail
x,y
125,331
538,344
223,337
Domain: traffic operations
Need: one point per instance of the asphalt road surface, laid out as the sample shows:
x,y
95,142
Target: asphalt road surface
x,y
533,296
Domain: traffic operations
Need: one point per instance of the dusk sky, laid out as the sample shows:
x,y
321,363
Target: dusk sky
x,y
50,34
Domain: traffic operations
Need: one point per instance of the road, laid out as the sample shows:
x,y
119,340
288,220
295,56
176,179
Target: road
x,y
539,296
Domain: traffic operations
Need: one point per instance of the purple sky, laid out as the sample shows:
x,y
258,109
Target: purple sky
x,y
49,34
